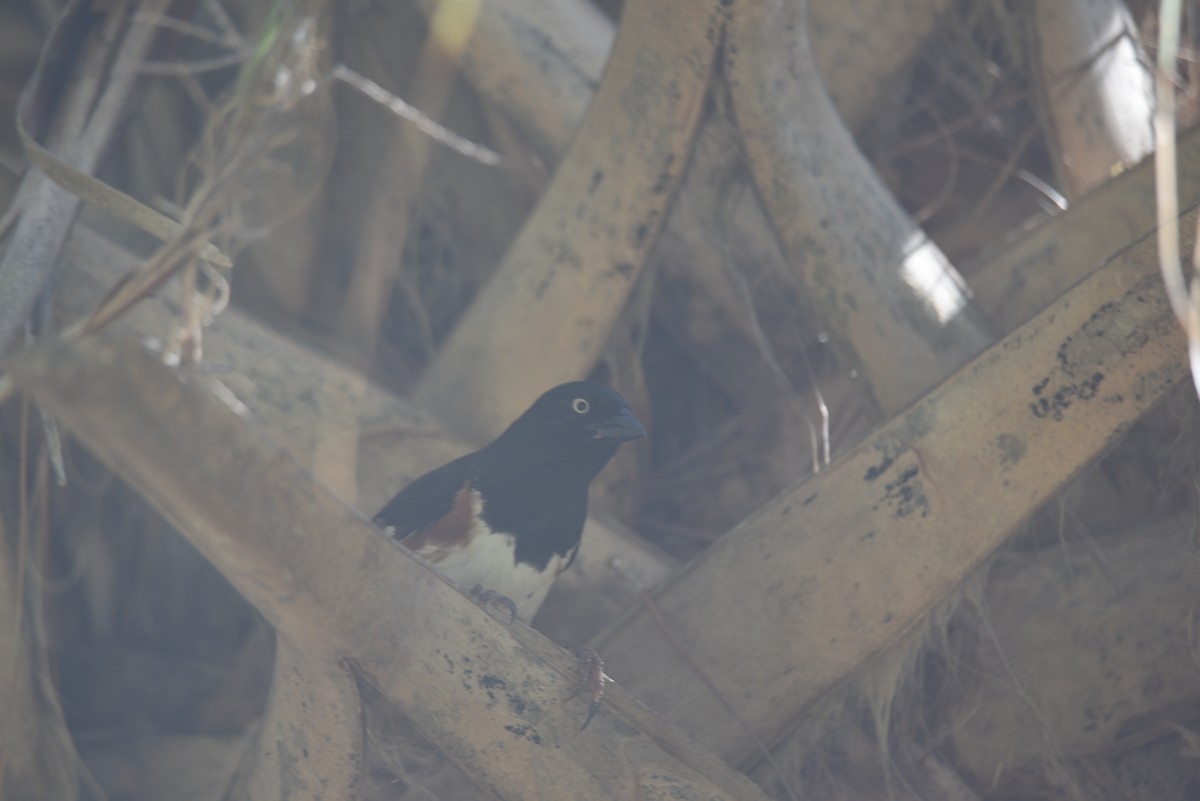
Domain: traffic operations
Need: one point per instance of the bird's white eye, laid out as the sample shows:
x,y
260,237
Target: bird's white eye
x,y
580,405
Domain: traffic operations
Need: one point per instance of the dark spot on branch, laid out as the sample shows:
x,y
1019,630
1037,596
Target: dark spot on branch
x,y
878,470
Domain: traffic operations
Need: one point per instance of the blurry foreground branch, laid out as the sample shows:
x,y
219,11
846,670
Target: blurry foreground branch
x,y
322,575
77,118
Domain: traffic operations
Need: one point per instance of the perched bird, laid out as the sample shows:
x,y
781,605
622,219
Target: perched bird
x,y
507,519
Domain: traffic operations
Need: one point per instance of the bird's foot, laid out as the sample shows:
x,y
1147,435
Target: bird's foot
x,y
486,598
592,679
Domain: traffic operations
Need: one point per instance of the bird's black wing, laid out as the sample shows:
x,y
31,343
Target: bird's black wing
x,y
426,500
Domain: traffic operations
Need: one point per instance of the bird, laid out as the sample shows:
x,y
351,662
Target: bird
x,y
505,521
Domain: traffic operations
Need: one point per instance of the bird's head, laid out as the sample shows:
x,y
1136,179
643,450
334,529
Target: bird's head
x,y
579,422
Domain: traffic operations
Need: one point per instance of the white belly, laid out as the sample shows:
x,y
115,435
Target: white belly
x,y
489,560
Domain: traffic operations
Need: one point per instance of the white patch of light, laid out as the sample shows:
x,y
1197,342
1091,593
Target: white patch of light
x,y
932,278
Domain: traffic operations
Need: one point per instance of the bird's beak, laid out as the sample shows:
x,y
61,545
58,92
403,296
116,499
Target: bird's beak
x,y
622,427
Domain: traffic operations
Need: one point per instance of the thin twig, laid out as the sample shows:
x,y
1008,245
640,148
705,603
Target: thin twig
x,y
197,66
225,39
935,203
424,123
1164,160
1007,171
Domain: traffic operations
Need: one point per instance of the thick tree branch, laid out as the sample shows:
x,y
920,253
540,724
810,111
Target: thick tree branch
x,y
840,567
540,65
546,313
326,579
359,439
875,279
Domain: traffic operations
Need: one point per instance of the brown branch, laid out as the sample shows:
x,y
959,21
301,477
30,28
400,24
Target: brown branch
x,y
546,313
840,567
310,742
359,439
506,61
324,577
539,65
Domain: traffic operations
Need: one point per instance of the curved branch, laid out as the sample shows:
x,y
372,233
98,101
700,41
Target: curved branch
x,y
864,49
545,315
539,65
880,285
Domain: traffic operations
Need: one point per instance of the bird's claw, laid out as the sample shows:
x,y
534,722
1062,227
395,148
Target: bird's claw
x,y
492,598
592,679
